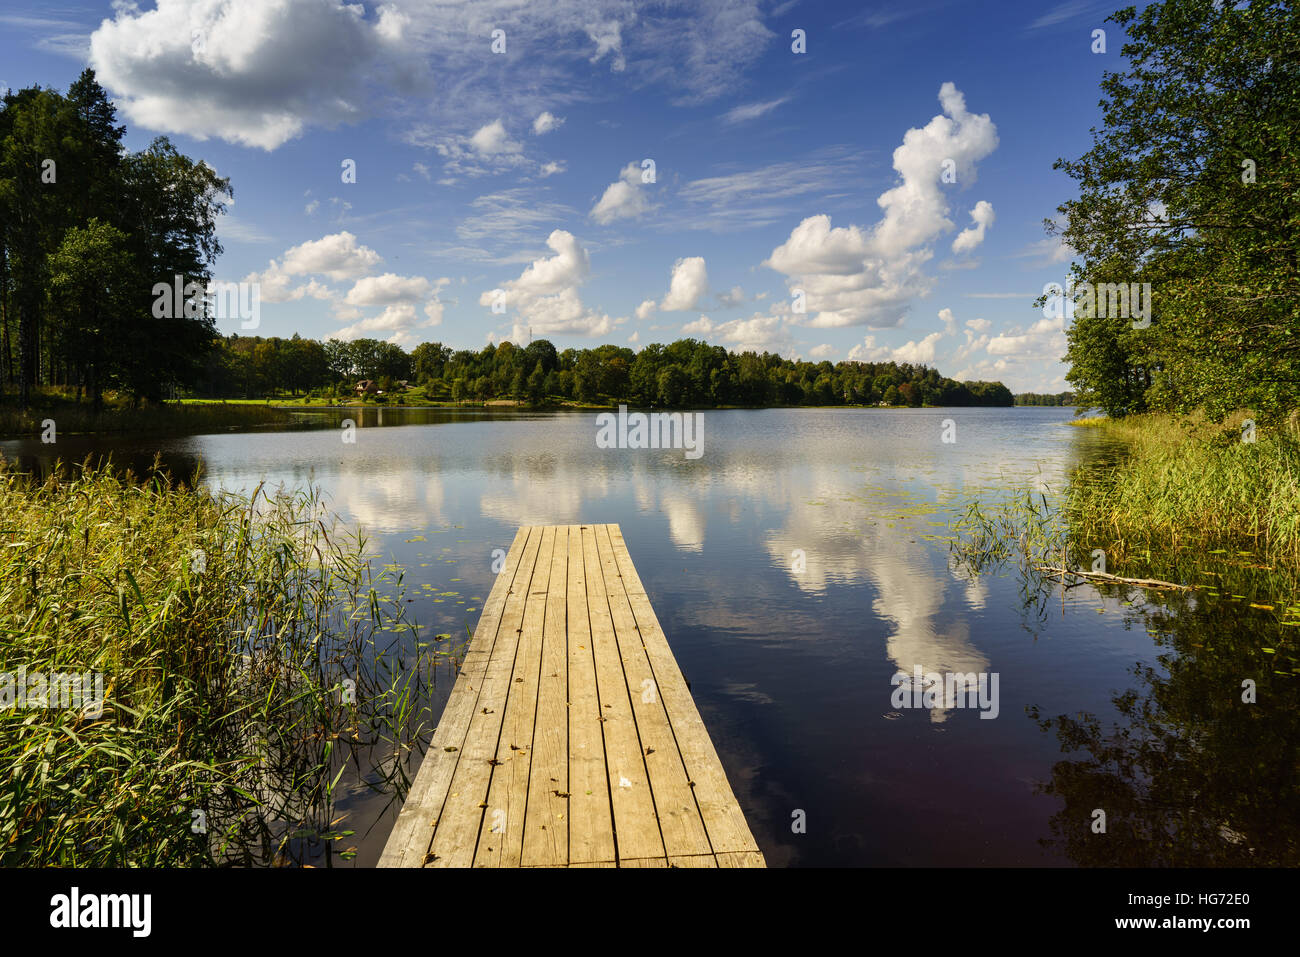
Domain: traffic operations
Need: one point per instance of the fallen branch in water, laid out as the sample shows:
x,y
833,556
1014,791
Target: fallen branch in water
x,y
1115,579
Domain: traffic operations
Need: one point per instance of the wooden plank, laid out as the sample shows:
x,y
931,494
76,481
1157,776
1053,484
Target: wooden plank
x,y
570,737
636,831
456,836
723,818
501,837
546,824
413,833
680,823
591,822
741,859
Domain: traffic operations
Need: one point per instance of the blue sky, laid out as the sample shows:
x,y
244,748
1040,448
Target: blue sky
x,y
503,194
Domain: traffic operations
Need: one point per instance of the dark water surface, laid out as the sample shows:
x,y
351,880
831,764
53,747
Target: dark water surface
x,y
789,658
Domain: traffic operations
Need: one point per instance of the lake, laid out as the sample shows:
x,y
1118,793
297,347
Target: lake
x,y
797,565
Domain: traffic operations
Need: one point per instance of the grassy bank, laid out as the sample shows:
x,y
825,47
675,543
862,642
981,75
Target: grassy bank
x,y
1184,483
1176,500
71,418
244,658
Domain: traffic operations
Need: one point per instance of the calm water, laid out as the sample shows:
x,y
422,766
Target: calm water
x,y
796,566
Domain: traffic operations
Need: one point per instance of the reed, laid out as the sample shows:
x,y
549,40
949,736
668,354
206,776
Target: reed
x,y
248,655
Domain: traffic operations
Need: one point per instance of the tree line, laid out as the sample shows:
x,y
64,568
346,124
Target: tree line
x,y
685,373
1049,398
87,229
1190,186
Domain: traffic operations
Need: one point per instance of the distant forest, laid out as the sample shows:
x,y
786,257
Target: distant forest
x,y
685,373
1039,398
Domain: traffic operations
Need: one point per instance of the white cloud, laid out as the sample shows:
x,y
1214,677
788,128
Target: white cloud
x,y
972,236
698,327
646,308
246,71
759,333
852,276
752,111
551,168
689,283
1045,338
949,321
386,290
917,353
491,139
754,198
624,199
546,293
547,122
608,39
338,256
734,297
823,351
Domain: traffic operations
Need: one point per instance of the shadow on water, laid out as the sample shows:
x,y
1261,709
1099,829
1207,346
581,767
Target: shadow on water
x,y
1199,765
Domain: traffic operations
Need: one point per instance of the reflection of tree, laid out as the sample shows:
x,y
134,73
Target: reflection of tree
x,y
1191,775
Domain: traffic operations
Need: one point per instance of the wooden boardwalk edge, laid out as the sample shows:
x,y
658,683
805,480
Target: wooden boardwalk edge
x,y
570,737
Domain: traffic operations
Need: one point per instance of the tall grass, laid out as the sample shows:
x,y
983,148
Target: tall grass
x,y
1184,484
1182,501
246,655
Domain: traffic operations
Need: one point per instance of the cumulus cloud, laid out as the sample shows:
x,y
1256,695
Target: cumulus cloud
x,y
546,293
267,70
972,236
246,71
733,297
624,199
689,283
338,256
917,353
1045,338
855,276
491,139
386,290
547,122
400,320
551,168
761,332
949,321
646,309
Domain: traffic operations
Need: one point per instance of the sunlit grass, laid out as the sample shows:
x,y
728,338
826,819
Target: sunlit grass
x,y
243,669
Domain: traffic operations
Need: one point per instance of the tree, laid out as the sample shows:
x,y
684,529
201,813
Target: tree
x,y
1189,186
428,360
93,286
537,384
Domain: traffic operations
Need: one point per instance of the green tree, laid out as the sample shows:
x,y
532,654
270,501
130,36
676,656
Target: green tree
x,y
93,286
1189,186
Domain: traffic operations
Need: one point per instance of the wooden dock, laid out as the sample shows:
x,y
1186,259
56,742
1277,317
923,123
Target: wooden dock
x,y
570,738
